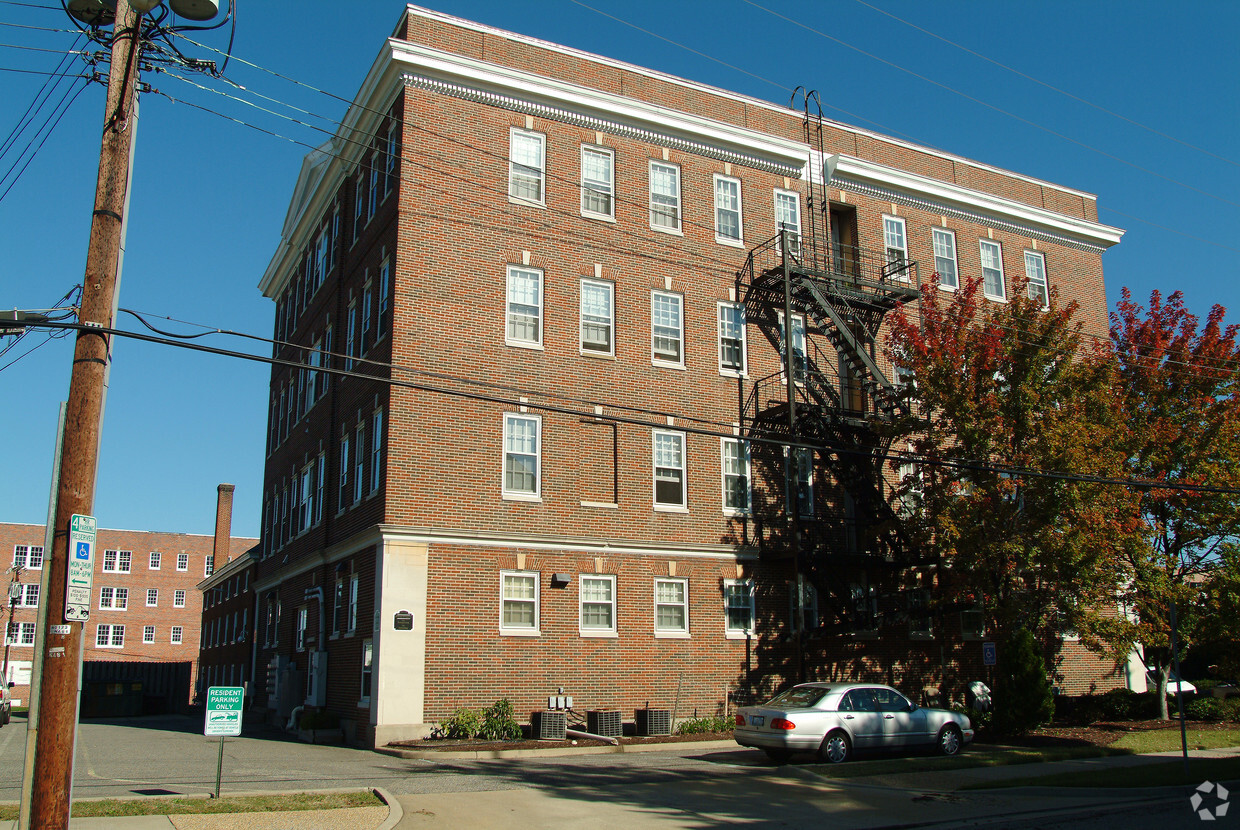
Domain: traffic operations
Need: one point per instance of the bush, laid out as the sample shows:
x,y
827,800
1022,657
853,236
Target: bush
x,y
1023,699
464,723
1124,704
699,726
1205,709
319,719
499,723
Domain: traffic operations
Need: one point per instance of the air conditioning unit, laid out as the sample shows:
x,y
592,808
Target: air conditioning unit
x,y
548,726
605,723
653,721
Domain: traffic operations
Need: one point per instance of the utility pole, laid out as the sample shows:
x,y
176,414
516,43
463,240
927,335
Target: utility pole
x,y
61,641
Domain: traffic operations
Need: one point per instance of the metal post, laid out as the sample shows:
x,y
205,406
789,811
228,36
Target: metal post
x,y
219,768
62,642
1179,688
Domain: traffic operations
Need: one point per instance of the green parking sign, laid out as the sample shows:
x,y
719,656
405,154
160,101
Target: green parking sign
x,y
224,706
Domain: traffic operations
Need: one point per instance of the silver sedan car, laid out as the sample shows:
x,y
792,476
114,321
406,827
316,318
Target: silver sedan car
x,y
833,719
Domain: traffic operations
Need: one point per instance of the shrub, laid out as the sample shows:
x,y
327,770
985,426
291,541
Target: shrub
x,y
699,726
319,720
464,723
1205,709
1023,699
1124,704
499,723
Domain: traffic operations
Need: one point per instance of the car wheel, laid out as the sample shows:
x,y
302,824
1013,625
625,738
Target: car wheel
x,y
835,748
779,756
950,740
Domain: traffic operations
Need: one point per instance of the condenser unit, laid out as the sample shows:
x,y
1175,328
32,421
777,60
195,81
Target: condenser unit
x,y
548,726
654,721
605,723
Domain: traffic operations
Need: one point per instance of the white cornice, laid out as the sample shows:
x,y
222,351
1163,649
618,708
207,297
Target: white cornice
x,y
879,180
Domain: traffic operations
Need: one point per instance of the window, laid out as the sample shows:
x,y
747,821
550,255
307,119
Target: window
x,y
344,472
525,166
863,611
117,561
306,504
1035,271
945,258
788,217
303,622
373,204
359,462
385,295
28,556
178,598
596,317
799,484
148,634
734,455
597,182
803,606
319,473
351,610
731,339
738,606
182,561
920,622
177,635
110,636
21,634
116,599
338,607
376,450
896,245
152,597
29,596
365,341
667,328
524,314
208,566
367,670
912,489
671,606
518,612
665,197
331,257
350,336
799,365
727,210
598,605
992,270
669,469
522,455
973,623
391,154
155,557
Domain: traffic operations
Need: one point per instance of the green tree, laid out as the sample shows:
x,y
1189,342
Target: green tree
x,y
999,390
1178,384
1023,699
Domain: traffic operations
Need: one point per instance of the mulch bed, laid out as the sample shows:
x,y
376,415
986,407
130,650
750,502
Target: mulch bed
x,y
1104,734
457,745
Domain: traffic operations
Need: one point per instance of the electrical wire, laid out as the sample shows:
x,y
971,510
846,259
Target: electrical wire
x,y
42,141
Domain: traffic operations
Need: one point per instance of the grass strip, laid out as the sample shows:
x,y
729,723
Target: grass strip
x,y
1153,774
246,804
1168,740
975,757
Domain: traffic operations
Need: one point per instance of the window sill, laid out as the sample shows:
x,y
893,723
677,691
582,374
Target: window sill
x,y
671,635
671,231
516,200
995,299
732,373
527,497
671,508
951,289
729,241
598,634
520,632
598,217
738,635
523,344
606,505
737,514
666,364
597,354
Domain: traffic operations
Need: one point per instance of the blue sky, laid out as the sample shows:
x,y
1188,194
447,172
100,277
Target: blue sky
x,y
209,194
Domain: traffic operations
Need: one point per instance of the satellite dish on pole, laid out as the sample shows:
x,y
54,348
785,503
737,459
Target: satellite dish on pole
x,y
195,9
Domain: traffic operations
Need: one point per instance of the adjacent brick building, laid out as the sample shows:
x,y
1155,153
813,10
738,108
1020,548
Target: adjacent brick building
x,y
544,439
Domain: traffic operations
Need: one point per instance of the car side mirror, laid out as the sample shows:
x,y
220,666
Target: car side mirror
x,y
912,707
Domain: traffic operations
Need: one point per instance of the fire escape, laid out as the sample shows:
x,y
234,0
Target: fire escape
x,y
827,296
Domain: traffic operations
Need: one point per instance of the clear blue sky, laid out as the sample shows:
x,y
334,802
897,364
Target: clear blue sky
x,y
209,195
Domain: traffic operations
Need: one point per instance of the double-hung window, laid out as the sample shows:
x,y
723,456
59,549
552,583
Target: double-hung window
x,y
526,166
803,605
156,556
993,285
665,197
365,341
320,471
182,561
359,201
359,462
177,635
738,607
148,634
391,155
375,176
896,245
597,317
598,182
598,606
731,339
351,609
343,498
667,328
28,556
178,598
945,258
303,624
152,597
799,464
727,210
788,218
350,336
29,595
669,469
524,307
734,458
518,611
671,607
1035,272
376,450
385,296
799,365
110,636
522,455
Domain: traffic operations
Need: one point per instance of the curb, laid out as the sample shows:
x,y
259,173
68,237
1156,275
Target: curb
x,y
395,812
548,752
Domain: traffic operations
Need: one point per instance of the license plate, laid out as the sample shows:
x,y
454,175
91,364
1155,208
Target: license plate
x,y
756,720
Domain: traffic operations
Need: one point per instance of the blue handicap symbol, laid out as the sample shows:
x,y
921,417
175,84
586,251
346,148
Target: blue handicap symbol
x,y
83,551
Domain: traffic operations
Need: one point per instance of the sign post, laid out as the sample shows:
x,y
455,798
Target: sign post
x,y
81,568
224,708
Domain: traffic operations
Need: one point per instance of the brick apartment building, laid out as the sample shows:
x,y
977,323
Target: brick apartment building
x,y
226,643
552,447
145,612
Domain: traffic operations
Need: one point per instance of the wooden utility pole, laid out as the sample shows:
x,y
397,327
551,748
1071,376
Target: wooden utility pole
x,y
61,641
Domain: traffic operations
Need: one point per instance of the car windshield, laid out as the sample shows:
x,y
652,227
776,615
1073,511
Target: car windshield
x,y
799,697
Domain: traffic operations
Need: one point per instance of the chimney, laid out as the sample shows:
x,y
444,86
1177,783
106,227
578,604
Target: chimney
x,y
223,525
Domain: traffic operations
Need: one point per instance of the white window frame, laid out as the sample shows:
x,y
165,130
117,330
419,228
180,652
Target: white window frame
x,y
610,603
895,245
590,318
345,466
944,243
723,184
23,556
29,596
673,632
366,683
182,561
732,467
600,188
148,635
511,454
1035,271
914,632
113,599
663,331
178,598
155,561
800,348
109,636
152,597
797,456
514,630
683,505
302,627
351,606
20,634
725,329
385,296
747,590
515,312
119,562
996,251
788,219
177,635
359,462
535,174
376,451
665,204
807,609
